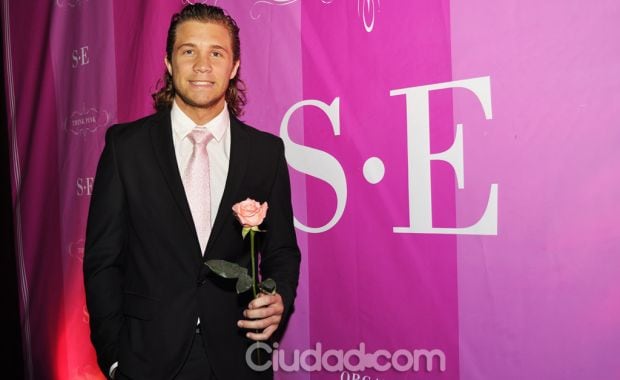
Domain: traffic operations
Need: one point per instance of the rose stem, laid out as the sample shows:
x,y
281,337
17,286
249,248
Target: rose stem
x,y
252,232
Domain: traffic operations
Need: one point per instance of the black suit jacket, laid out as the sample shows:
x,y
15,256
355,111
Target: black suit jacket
x,y
145,279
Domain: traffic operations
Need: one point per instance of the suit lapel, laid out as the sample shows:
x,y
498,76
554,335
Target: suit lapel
x,y
161,137
239,153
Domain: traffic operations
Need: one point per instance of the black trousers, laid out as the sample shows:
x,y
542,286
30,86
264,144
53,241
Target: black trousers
x,y
196,366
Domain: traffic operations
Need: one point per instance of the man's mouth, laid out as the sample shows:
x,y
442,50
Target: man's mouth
x,y
201,83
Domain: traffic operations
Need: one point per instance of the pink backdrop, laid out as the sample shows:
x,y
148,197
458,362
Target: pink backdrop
x,y
493,242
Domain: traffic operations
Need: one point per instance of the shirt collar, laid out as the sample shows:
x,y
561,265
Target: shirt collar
x,y
182,125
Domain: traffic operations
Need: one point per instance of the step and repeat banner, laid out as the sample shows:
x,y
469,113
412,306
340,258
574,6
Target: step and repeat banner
x,y
454,170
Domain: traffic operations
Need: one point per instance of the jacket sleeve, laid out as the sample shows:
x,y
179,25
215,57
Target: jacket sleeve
x,y
105,239
280,256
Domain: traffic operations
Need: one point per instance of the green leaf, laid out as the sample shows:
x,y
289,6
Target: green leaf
x,y
244,231
243,283
226,269
268,286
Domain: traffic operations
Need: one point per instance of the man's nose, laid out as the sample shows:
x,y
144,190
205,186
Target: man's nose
x,y
203,64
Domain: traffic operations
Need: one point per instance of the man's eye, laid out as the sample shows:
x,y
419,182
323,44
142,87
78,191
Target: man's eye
x,y
187,52
217,54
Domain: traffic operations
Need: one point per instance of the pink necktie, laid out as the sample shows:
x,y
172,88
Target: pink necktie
x,y
197,187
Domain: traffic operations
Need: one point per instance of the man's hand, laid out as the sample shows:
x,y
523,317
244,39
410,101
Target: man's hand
x,y
264,312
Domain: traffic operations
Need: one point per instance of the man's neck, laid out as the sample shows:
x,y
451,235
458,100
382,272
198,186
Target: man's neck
x,y
201,116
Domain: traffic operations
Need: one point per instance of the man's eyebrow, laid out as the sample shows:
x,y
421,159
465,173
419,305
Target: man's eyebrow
x,y
193,45
186,44
218,47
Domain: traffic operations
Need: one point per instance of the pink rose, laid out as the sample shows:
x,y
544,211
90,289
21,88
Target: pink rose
x,y
250,213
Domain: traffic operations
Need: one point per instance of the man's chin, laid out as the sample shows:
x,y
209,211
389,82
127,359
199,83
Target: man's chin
x,y
204,104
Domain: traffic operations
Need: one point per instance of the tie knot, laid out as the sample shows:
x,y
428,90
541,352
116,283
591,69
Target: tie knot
x,y
200,136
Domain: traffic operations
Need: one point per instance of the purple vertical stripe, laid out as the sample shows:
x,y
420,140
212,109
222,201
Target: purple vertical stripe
x,y
370,285
540,300
83,61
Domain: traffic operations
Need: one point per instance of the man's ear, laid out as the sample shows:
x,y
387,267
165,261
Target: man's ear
x,y
168,65
233,73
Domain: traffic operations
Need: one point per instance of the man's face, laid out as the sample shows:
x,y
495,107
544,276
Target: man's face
x,y
202,65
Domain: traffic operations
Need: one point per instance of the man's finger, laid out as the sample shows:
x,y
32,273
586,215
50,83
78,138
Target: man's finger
x,y
264,300
263,312
259,323
266,334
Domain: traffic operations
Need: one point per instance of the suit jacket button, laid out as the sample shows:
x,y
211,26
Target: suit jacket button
x,y
202,282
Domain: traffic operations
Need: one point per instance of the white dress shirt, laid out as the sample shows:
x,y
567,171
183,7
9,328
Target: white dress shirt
x,y
218,149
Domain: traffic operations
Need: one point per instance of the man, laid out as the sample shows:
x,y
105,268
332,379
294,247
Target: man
x,y
161,207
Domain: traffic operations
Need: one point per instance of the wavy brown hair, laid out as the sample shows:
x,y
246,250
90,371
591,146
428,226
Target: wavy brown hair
x,y
235,94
